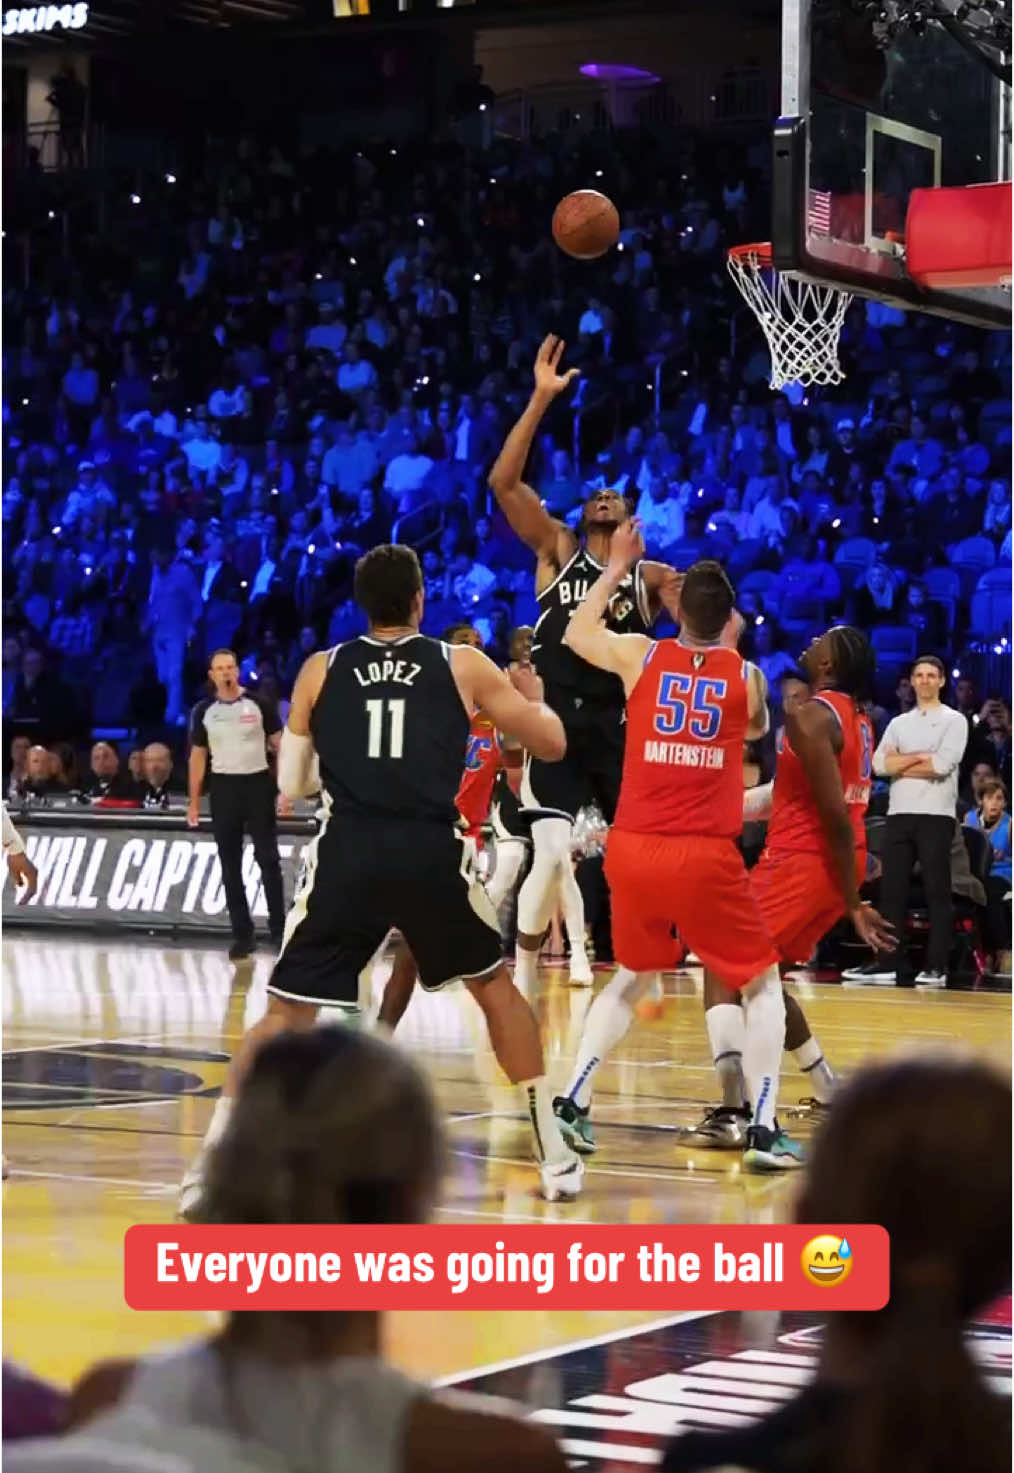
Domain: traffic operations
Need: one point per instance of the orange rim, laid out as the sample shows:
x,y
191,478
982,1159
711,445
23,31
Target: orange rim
x,y
760,249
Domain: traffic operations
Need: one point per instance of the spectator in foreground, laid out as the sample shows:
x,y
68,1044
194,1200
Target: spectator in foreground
x,y
922,1147
330,1127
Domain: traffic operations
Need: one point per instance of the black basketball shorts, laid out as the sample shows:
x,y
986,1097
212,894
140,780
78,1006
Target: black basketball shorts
x,y
591,769
361,878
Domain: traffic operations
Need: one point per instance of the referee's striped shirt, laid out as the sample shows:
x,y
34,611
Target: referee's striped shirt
x,y
235,732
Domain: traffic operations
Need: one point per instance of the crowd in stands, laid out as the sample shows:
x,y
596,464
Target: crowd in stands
x,y
253,375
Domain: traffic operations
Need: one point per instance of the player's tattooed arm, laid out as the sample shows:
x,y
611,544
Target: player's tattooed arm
x,y
523,715
621,654
810,731
551,541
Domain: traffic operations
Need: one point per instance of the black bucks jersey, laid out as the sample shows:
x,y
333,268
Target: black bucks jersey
x,y
627,613
390,729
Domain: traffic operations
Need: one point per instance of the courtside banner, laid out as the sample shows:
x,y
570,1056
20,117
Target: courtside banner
x,y
823,1267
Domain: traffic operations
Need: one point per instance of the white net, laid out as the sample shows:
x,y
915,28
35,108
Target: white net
x,y
801,322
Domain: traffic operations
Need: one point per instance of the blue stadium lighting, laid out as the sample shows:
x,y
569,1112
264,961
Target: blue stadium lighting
x,y
170,178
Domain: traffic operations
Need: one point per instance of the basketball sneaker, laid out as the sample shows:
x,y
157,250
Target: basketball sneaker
x,y
190,1203
931,982
809,1108
723,1128
580,970
561,1180
873,974
771,1150
575,1125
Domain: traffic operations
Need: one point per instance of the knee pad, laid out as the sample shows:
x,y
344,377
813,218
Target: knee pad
x,y
763,995
550,848
629,987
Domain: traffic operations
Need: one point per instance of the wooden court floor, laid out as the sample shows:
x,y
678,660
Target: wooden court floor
x,y
113,1053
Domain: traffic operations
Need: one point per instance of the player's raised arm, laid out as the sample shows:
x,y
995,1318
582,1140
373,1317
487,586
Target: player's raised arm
x,y
514,703
298,767
757,703
809,730
587,635
520,504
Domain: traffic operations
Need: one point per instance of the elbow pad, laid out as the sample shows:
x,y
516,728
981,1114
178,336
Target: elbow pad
x,y
298,766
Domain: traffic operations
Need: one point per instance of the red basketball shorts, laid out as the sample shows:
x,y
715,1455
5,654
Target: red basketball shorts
x,y
800,899
697,886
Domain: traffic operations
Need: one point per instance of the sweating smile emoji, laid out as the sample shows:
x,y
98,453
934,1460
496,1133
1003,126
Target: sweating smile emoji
x,y
826,1260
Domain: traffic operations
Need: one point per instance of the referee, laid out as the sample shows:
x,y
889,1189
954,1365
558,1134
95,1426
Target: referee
x,y
235,729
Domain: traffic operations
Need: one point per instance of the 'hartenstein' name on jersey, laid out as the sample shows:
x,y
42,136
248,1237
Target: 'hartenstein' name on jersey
x,y
679,754
378,672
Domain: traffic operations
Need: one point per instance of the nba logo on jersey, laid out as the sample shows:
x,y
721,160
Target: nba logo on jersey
x,y
697,661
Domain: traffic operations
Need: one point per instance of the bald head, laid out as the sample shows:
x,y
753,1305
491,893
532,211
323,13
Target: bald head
x,y
38,767
157,764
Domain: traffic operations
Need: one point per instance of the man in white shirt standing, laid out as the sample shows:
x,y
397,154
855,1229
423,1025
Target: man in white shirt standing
x,y
920,752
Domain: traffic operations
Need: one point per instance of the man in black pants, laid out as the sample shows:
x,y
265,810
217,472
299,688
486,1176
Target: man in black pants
x,y
920,752
236,730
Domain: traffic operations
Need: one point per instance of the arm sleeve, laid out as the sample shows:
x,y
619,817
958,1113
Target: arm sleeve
x,y
12,840
951,750
889,739
198,730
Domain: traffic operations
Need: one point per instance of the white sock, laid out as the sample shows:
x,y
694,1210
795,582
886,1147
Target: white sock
x,y
609,1018
526,967
764,1007
219,1120
727,1035
812,1062
572,904
549,1143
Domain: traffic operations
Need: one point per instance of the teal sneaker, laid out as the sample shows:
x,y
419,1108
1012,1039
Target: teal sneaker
x,y
772,1150
575,1125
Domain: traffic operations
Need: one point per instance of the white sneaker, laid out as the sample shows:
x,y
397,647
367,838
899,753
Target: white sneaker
x,y
580,970
190,1202
931,982
561,1180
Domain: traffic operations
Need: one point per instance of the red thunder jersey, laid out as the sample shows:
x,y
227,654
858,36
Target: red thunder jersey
x,y
686,725
795,826
482,758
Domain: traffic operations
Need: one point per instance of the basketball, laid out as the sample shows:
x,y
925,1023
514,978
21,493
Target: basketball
x,y
586,224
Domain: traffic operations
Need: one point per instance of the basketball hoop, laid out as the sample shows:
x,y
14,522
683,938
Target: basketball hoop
x,y
800,320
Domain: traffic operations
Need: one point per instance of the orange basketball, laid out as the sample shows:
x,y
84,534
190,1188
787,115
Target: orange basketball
x,y
586,224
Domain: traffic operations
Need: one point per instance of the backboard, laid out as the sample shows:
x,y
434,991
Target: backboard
x,y
878,100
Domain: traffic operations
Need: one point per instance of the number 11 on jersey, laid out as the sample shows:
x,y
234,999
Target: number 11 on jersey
x,y
396,724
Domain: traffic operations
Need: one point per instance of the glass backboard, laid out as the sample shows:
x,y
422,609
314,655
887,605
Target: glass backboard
x,y
867,117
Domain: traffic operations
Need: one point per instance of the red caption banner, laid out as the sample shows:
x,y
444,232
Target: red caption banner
x,y
531,1267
